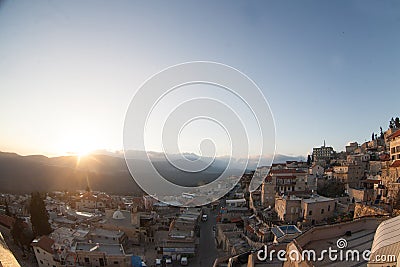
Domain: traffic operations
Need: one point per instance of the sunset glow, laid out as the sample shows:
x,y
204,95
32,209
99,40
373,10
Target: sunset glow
x,y
78,145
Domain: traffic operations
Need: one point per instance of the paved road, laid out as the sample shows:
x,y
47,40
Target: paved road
x,y
207,251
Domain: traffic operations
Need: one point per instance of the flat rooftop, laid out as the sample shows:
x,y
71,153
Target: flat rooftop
x,y
107,233
110,249
317,198
360,240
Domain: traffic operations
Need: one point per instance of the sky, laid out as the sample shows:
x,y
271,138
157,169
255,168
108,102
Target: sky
x,y
330,70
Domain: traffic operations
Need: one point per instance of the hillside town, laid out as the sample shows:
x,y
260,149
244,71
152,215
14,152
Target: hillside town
x,y
301,205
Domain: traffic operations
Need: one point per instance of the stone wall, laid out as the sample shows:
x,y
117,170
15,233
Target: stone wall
x,y
327,232
362,210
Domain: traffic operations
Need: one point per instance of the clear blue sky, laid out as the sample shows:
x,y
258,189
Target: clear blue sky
x,y
68,69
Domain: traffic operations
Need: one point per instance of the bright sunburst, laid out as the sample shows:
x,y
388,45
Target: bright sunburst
x,y
79,146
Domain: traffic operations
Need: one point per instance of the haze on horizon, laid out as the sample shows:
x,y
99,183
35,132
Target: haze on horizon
x,y
329,70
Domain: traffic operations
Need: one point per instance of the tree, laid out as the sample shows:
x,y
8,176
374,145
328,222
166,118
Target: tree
x,y
382,136
22,235
16,231
39,216
331,188
391,123
397,122
309,160
373,136
8,213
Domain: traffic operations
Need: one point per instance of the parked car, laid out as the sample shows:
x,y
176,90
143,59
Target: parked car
x,y
184,261
158,262
204,217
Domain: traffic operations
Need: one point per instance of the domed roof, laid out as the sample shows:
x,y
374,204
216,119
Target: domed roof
x,y
386,240
118,215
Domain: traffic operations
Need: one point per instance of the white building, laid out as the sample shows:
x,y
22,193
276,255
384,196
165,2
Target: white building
x,y
44,252
235,203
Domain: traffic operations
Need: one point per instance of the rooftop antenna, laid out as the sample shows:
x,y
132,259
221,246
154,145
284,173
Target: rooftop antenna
x,y
324,143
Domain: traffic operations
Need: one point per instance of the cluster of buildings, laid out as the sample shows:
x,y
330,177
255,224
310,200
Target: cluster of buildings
x,y
96,229
300,206
309,205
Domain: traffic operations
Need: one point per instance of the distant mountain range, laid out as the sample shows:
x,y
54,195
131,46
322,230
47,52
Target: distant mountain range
x,y
103,171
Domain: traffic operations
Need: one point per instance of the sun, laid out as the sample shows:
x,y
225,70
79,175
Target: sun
x,y
82,152
79,146
81,155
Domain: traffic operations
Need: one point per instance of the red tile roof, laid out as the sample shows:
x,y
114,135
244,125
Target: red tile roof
x,y
286,171
138,201
44,243
235,220
372,181
395,164
6,220
384,157
394,135
286,177
249,228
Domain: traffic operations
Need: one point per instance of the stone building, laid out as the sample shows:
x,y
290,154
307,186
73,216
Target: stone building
x,y
282,181
350,174
317,208
288,208
394,143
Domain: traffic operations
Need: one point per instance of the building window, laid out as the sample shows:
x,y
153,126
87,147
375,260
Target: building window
x,y
322,211
86,259
310,213
38,251
329,207
41,262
